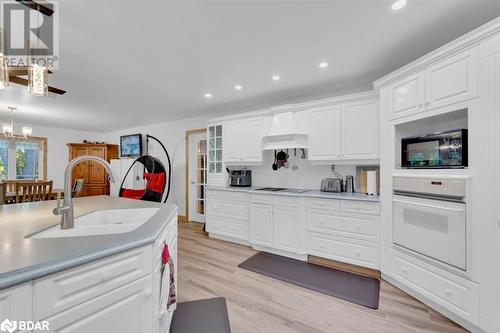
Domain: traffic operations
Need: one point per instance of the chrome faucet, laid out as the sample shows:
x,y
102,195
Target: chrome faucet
x,y
66,210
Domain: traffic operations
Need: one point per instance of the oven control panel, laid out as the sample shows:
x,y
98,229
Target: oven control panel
x,y
430,186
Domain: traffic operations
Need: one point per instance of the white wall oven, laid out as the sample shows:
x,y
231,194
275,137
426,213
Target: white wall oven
x,y
429,218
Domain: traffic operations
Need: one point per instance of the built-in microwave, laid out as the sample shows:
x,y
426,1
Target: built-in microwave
x,y
440,150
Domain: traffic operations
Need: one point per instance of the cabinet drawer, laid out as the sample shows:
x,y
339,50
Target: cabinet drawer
x,y
346,225
63,290
275,199
450,291
360,207
323,203
361,253
228,209
226,228
227,196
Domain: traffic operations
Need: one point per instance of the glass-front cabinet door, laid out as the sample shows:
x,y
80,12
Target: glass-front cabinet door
x,y
215,174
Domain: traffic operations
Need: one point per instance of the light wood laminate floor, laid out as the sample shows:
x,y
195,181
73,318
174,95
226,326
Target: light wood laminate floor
x,y
257,303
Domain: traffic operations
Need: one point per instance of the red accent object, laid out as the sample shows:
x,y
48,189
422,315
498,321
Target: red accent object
x,y
156,181
165,255
133,194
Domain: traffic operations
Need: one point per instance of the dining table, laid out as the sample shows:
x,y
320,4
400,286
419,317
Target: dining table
x,y
10,196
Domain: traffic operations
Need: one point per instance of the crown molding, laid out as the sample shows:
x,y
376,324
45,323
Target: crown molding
x,y
462,43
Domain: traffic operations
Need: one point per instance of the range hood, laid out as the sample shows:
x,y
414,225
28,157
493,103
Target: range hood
x,y
288,130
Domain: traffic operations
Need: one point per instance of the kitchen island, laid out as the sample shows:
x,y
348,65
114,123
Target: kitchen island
x,y
103,282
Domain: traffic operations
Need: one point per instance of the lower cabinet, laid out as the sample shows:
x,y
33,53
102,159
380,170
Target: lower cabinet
x,y
126,309
286,228
262,225
13,303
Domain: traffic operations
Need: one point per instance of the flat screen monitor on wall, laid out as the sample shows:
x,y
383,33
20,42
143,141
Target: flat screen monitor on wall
x,y
131,145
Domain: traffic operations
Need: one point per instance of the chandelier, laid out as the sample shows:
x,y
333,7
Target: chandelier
x,y
8,128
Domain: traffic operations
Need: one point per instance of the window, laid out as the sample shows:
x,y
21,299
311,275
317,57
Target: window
x,y
22,158
215,149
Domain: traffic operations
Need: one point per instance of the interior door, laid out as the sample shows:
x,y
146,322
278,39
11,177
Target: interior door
x,y
286,221
197,176
262,228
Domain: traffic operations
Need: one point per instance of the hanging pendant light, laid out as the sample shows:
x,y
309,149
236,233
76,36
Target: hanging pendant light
x,y
37,80
8,128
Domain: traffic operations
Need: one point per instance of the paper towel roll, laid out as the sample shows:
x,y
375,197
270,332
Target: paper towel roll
x,y
371,182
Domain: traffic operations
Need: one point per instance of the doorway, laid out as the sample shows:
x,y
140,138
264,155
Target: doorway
x,y
196,171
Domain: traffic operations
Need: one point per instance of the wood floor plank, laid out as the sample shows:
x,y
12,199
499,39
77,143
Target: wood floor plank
x,y
256,303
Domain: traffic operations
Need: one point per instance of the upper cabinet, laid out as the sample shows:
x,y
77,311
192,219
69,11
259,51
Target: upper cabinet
x,y
324,134
344,132
448,82
243,141
360,130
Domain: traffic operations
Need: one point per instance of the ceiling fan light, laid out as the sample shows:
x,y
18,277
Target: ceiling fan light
x,y
37,80
27,131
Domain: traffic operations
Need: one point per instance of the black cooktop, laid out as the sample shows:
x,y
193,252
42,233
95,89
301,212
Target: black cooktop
x,y
272,189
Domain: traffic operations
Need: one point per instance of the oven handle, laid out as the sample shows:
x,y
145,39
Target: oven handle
x,y
456,210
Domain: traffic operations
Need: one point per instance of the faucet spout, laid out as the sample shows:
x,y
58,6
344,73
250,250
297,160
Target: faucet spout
x,y
66,209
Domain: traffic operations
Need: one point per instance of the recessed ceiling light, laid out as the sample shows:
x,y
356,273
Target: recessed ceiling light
x,y
238,87
323,65
208,95
398,4
276,77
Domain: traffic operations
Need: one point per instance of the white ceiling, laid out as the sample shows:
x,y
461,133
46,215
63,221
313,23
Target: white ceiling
x,y
127,63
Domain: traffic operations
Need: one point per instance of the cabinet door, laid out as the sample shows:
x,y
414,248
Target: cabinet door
x,y
97,173
286,222
262,225
81,170
95,190
360,130
233,148
452,80
125,309
324,135
252,140
407,96
15,303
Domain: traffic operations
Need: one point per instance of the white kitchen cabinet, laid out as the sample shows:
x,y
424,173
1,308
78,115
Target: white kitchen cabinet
x,y
262,228
243,141
126,309
452,80
447,82
286,228
407,95
15,303
360,130
324,134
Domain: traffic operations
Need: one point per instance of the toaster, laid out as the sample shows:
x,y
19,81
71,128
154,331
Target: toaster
x,y
240,178
331,185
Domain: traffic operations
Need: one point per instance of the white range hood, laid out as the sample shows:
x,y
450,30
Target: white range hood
x,y
288,130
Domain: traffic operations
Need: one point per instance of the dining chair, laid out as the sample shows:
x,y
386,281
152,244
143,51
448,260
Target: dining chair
x,y
33,191
77,187
3,193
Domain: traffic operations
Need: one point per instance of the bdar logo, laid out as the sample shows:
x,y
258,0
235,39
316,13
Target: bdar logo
x,y
8,326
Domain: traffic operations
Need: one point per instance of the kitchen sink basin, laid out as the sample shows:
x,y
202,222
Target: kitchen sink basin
x,y
101,222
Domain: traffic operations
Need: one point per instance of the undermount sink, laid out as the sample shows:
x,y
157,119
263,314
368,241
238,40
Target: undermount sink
x,y
101,222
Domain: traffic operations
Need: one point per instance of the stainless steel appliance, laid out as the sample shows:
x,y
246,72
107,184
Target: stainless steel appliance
x,y
331,185
240,178
429,218
435,151
349,184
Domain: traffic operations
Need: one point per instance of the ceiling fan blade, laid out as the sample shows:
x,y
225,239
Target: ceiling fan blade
x,y
24,82
20,71
36,6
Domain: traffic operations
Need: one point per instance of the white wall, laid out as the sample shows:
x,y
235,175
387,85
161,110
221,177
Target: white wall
x,y
172,135
57,151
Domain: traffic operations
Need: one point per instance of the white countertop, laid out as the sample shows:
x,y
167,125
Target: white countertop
x,y
309,193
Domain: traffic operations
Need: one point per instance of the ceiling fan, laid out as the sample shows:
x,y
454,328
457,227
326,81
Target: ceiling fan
x,y
18,75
